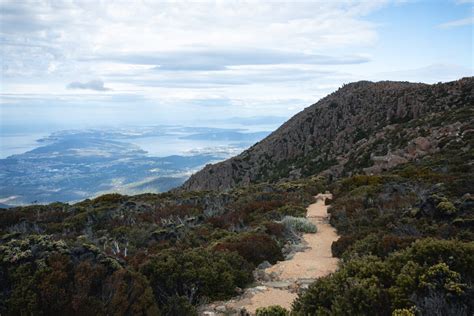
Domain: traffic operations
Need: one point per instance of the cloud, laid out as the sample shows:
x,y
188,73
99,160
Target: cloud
x,y
214,102
219,59
231,76
46,37
233,58
457,23
430,74
96,85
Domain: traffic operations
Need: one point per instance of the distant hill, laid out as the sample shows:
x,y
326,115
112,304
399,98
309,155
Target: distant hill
x,y
362,127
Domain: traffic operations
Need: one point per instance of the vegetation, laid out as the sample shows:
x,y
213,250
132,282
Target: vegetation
x,y
407,233
298,224
274,310
407,242
149,254
431,276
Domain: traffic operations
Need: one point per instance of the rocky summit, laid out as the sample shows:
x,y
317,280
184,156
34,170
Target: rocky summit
x,y
363,127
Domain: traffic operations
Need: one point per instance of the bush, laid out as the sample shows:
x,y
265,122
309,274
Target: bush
x,y
404,312
274,310
349,184
299,224
253,247
339,246
446,207
432,275
196,274
275,229
291,210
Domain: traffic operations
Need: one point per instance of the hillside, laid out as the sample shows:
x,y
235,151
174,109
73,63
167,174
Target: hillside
x,y
362,127
406,243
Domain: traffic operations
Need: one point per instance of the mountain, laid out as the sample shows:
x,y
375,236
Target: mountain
x,y
406,234
362,127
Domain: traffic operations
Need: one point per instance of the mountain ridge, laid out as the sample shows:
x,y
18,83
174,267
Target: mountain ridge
x,y
326,137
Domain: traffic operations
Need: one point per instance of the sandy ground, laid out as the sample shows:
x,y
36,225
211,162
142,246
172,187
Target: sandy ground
x,y
314,262
318,260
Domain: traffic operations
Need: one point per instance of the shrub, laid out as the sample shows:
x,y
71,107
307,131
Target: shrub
x,y
435,275
275,229
291,210
179,305
299,224
353,182
253,247
446,208
196,274
339,246
404,312
111,198
274,310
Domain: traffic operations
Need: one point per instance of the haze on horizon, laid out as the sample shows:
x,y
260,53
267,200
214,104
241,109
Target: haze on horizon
x,y
93,63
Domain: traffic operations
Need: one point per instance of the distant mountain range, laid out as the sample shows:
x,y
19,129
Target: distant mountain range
x,y
363,127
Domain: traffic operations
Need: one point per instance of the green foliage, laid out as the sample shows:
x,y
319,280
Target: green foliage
x,y
178,306
274,310
113,247
54,279
404,312
349,184
195,274
291,210
440,277
446,207
429,269
299,224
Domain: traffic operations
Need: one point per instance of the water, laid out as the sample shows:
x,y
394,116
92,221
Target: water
x,y
14,144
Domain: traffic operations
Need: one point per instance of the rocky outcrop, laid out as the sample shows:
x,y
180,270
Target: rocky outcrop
x,y
363,126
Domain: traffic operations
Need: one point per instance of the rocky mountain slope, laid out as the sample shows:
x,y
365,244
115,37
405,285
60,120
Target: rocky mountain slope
x,y
362,127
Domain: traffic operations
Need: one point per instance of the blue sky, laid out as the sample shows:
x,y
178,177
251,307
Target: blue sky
x,y
94,63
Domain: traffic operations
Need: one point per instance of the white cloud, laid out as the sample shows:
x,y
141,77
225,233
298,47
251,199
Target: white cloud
x,y
43,37
264,56
457,23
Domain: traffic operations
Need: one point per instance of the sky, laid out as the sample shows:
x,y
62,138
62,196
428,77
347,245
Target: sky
x,y
71,64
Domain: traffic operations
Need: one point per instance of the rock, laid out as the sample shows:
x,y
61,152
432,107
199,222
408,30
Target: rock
x,y
264,265
260,275
278,284
340,132
208,313
221,309
260,288
273,275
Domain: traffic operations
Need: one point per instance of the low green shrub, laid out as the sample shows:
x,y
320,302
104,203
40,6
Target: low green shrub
x,y
291,210
446,208
299,224
433,275
274,310
196,274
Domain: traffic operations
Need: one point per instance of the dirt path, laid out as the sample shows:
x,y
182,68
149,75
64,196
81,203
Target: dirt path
x,y
298,272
